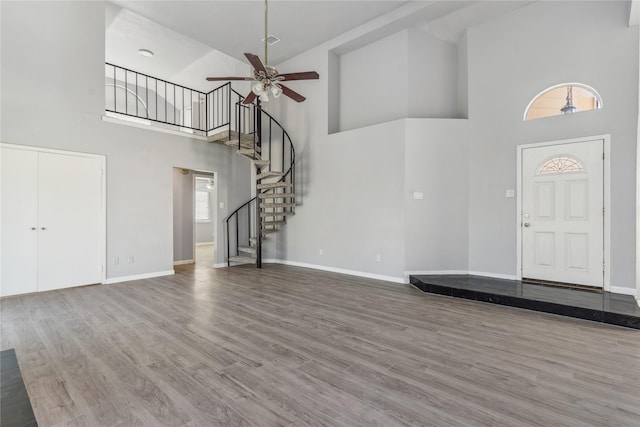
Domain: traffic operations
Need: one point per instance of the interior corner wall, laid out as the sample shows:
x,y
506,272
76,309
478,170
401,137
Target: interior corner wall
x,y
374,83
52,59
463,79
351,204
333,92
513,58
436,227
183,231
433,76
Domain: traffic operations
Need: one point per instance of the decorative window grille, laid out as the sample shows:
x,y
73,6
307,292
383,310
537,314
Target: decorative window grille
x,y
561,164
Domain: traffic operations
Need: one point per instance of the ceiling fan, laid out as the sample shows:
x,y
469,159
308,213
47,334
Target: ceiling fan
x,y
267,77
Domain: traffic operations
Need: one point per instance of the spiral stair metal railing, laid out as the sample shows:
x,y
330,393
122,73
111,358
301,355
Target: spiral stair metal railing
x,y
260,137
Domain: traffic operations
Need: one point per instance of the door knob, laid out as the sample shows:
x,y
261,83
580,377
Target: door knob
x,y
43,228
526,224
33,228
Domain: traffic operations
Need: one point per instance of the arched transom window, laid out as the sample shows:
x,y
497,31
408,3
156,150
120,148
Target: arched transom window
x,y
560,164
561,99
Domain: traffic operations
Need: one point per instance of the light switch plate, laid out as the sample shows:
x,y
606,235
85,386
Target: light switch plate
x,y
418,195
510,193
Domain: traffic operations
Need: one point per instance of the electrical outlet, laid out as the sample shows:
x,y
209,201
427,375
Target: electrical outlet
x,y
116,260
321,252
378,257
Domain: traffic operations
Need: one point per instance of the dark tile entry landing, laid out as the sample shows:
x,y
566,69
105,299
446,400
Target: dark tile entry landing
x,y
15,407
615,309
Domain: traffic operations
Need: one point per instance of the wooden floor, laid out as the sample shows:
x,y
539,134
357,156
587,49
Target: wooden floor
x,y
296,347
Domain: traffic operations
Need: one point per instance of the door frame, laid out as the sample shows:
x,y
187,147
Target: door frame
x,y
214,200
606,138
103,196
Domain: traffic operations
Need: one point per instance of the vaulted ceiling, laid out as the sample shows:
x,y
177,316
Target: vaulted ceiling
x,y
235,27
193,39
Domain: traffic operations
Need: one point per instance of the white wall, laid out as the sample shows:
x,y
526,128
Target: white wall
x,y
333,92
433,77
407,74
374,83
513,58
52,57
353,213
462,87
436,228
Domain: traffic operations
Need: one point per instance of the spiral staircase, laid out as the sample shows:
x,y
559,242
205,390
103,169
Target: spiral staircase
x,y
221,117
255,134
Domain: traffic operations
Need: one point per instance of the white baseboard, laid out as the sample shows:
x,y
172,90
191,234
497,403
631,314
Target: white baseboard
x,y
204,244
622,290
185,261
222,264
337,270
138,277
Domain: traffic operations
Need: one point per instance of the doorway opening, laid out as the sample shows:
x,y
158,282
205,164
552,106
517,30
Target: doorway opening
x,y
563,220
194,217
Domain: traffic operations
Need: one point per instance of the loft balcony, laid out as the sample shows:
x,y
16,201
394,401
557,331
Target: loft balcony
x,y
139,98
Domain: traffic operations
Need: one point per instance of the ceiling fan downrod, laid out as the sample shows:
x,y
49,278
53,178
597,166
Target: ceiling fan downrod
x,y
266,14
268,79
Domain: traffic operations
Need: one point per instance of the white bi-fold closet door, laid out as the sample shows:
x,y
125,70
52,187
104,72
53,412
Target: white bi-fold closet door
x,y
52,220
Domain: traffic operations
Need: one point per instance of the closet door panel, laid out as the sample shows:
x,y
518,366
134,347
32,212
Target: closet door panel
x,y
70,221
19,241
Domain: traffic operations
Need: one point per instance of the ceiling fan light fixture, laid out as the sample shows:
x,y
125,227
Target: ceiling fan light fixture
x,y
258,89
276,91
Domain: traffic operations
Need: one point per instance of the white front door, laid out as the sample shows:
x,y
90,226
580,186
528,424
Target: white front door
x,y
562,213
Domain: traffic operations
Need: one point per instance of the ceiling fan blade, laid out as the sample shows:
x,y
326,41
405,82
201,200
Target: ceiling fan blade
x,y
256,62
305,75
217,79
292,94
250,98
